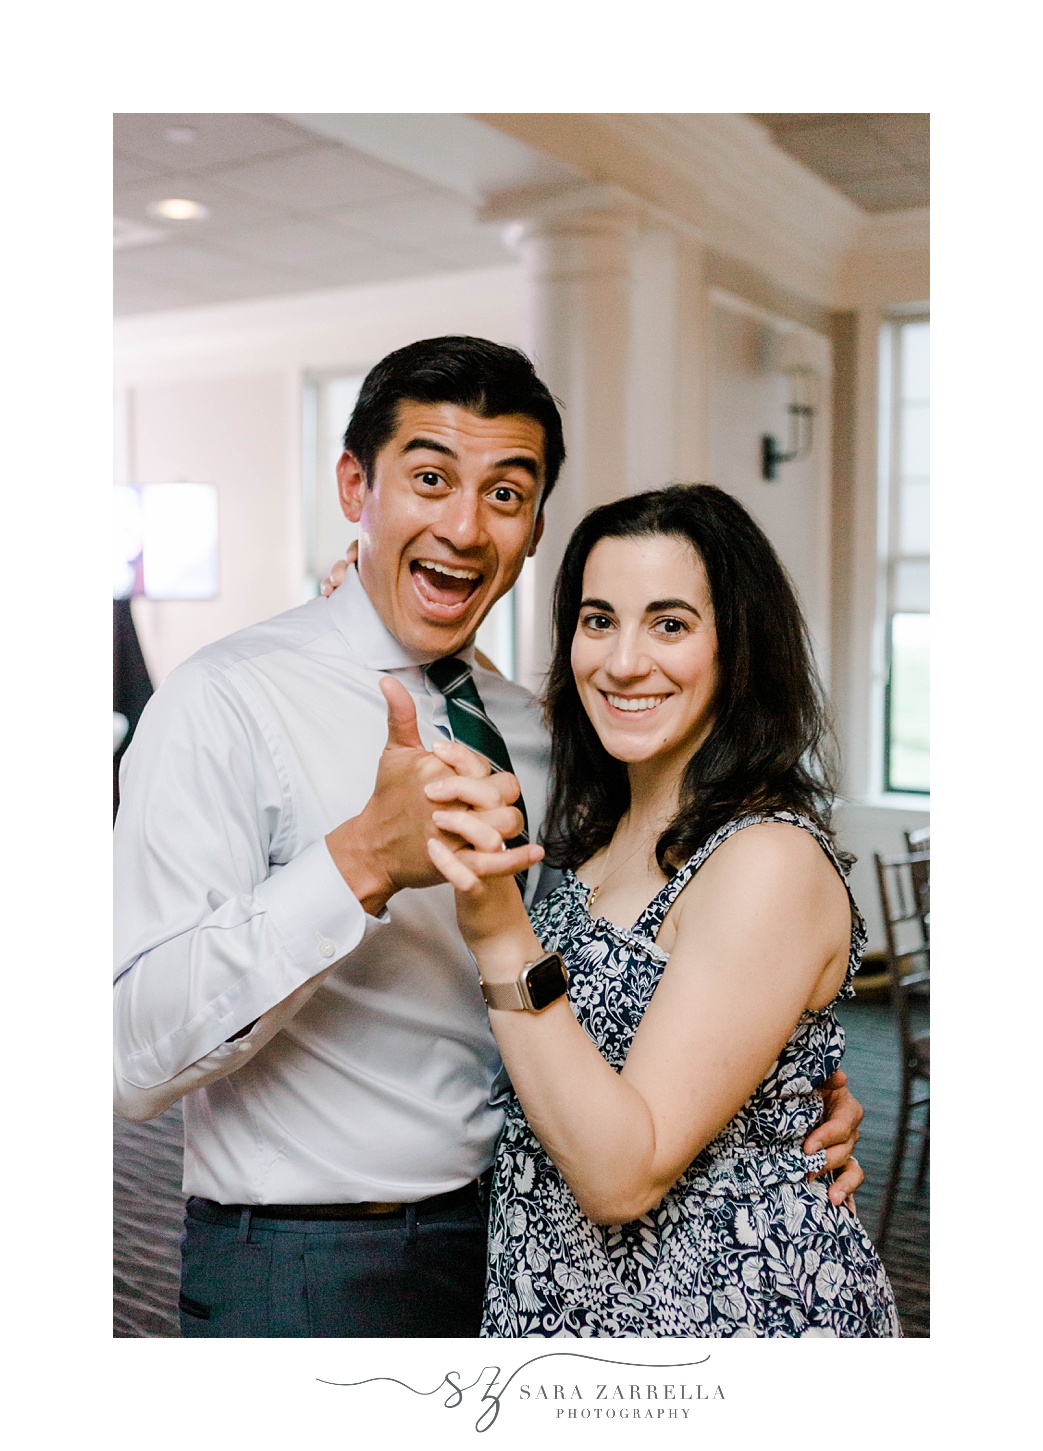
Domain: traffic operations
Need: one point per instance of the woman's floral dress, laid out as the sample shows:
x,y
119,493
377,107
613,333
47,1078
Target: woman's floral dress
x,y
743,1244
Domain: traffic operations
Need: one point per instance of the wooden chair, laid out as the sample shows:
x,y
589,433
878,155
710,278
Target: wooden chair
x,y
917,841
905,899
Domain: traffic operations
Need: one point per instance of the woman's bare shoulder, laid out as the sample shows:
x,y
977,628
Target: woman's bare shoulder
x,y
781,842
770,861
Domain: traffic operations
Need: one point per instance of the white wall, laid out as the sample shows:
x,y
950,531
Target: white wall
x,y
864,830
238,433
749,397
213,395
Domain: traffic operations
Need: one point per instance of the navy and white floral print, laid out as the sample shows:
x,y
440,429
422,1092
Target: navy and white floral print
x,y
743,1244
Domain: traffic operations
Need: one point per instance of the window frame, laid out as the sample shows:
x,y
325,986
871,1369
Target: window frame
x,y
890,553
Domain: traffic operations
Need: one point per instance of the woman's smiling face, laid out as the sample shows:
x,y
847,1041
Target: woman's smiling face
x,y
644,653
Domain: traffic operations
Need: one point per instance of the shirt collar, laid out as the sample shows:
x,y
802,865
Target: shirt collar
x,y
368,638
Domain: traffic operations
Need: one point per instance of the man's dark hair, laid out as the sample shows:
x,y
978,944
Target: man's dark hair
x,y
485,378
770,744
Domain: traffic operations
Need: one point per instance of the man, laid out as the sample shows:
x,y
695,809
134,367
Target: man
x,y
287,957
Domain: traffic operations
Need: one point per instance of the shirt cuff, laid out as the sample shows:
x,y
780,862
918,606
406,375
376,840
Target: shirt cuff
x,y
314,911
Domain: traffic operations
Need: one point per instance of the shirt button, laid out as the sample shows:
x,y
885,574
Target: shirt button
x,y
326,947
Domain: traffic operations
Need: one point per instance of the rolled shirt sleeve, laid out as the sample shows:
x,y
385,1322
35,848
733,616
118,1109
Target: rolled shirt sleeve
x,y
215,930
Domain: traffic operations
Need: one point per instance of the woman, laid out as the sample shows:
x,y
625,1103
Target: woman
x,y
650,1178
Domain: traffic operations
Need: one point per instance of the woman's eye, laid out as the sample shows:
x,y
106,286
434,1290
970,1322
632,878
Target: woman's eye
x,y
597,622
671,627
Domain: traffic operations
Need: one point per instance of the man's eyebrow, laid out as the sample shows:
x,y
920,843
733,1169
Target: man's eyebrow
x,y
521,461
422,443
516,461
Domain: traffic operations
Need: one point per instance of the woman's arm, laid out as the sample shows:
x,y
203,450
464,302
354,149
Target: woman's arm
x,y
761,931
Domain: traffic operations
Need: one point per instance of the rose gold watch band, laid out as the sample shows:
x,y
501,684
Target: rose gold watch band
x,y
506,996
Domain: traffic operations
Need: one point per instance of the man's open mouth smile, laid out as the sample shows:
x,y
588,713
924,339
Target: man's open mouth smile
x,y
444,589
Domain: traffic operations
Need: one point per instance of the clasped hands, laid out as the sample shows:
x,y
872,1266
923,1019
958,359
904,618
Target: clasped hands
x,y
447,797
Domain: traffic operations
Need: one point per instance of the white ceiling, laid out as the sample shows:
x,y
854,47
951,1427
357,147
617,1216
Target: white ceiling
x,y
290,210
303,202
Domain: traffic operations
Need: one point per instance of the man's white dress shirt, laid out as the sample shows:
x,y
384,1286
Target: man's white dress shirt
x,y
369,1073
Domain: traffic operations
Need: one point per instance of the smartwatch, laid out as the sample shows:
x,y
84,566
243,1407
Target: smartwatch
x,y
539,984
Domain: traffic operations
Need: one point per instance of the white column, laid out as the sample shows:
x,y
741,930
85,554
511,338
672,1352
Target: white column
x,y
692,396
618,332
668,418
575,254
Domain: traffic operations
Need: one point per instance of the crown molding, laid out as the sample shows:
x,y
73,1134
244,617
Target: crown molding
x,y
549,206
717,177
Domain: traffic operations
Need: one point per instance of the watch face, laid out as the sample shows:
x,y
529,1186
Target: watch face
x,y
546,981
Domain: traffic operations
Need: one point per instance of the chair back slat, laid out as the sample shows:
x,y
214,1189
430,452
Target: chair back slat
x,y
918,846
904,883
905,899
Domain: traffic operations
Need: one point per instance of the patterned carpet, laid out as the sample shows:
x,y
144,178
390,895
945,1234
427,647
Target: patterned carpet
x,y
871,1063
147,1209
148,1202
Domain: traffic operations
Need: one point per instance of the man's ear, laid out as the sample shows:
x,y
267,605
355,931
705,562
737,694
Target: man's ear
x,y
537,533
351,486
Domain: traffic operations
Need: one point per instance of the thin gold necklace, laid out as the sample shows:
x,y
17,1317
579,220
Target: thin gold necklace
x,y
596,891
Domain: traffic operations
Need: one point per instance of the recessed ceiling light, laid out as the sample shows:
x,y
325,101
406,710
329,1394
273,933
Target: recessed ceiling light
x,y
179,209
180,135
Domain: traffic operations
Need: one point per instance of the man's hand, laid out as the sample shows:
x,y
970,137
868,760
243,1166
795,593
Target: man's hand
x,y
481,867
335,578
384,848
838,1135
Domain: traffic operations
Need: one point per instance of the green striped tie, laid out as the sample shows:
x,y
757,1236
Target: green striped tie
x,y
471,725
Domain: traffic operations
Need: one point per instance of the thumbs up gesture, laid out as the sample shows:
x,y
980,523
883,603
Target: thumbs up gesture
x,y
402,729
385,847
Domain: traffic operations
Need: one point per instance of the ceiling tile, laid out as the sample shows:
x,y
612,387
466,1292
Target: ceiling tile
x,y
134,234
838,150
302,243
890,193
431,216
879,159
138,294
184,263
319,180
380,264
478,250
781,120
213,276
126,170
226,208
909,135
219,139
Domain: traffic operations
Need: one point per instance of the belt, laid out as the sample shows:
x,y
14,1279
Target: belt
x,y
471,1193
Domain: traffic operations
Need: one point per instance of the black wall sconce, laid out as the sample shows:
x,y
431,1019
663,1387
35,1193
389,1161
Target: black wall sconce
x,y
801,415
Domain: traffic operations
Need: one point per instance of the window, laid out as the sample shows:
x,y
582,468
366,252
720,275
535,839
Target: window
x,y
327,404
905,551
165,541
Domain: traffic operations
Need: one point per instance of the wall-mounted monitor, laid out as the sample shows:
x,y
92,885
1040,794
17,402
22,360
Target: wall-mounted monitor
x,y
165,541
